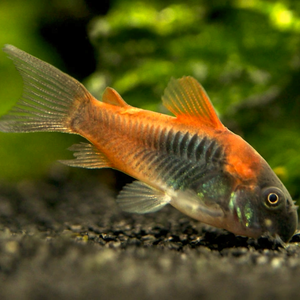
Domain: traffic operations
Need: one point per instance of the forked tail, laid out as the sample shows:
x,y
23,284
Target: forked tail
x,y
50,98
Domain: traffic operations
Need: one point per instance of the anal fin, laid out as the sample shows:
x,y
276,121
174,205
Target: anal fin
x,y
87,156
138,197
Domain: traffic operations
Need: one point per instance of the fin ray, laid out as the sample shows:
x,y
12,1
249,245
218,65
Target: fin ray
x,y
186,98
138,197
49,96
87,156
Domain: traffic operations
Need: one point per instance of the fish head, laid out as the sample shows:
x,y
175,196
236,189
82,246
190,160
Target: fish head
x,y
265,208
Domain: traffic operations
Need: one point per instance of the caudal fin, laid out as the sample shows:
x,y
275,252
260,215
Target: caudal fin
x,y
50,97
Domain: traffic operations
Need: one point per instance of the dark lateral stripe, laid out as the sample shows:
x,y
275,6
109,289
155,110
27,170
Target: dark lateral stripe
x,y
192,145
200,148
184,145
218,155
167,166
169,141
209,151
166,173
176,143
179,159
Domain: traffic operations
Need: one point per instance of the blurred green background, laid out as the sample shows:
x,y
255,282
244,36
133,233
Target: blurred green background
x,y
246,53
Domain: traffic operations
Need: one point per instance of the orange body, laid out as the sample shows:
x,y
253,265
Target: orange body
x,y
122,131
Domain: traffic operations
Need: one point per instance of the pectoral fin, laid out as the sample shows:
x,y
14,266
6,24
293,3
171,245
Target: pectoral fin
x,y
196,207
138,197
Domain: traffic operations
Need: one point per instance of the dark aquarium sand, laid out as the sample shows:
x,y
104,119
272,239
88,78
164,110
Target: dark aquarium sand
x,y
65,238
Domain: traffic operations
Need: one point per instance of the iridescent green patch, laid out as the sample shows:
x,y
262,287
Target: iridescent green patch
x,y
232,201
248,212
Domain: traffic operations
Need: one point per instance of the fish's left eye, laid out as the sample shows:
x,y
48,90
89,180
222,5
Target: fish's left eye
x,y
273,198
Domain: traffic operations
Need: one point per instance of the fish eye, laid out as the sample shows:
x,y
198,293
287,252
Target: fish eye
x,y
272,197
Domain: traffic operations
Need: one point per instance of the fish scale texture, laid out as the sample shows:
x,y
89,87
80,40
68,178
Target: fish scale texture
x,y
65,238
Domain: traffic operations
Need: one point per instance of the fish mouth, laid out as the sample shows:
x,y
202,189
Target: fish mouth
x,y
275,239
282,232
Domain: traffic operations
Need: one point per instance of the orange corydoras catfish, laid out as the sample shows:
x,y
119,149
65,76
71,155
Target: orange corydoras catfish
x,y
191,160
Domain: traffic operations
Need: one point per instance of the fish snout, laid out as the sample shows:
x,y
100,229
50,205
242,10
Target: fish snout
x,y
283,227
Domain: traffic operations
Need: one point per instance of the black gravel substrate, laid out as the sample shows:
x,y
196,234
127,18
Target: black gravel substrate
x,y
65,238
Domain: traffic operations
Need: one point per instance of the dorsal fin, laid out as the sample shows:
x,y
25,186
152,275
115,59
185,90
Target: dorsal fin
x,y
187,99
111,96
